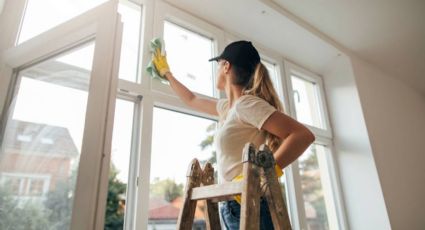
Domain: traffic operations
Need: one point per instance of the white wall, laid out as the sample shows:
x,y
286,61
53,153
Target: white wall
x,y
395,120
364,203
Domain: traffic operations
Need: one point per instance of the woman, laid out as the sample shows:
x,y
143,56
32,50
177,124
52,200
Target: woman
x,y
252,113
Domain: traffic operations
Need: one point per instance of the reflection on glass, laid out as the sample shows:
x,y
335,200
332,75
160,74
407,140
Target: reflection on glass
x,y
188,54
177,138
38,20
41,148
41,16
120,161
316,188
130,17
306,102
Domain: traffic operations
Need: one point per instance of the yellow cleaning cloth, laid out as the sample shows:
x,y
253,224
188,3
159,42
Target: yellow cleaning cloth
x,y
155,44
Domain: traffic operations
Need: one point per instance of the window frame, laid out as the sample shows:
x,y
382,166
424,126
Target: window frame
x,y
302,73
132,182
25,187
323,137
102,25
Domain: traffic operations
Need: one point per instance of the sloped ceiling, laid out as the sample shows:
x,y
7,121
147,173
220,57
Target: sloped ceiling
x,y
389,34
260,23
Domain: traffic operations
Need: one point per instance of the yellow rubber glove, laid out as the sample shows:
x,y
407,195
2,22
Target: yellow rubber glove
x,y
160,62
277,169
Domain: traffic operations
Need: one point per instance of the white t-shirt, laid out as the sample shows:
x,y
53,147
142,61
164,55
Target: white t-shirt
x,y
237,126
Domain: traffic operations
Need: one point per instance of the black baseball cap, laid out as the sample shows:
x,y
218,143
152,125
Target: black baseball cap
x,y
240,53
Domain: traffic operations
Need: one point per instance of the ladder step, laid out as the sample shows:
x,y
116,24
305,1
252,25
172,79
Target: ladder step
x,y
217,192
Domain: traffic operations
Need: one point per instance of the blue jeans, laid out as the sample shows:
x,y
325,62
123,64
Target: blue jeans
x,y
230,212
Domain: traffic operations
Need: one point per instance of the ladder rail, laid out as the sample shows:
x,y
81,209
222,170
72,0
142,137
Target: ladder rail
x,y
200,186
212,218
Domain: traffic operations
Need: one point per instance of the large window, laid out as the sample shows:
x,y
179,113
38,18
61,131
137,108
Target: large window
x,y
177,138
41,148
154,136
56,121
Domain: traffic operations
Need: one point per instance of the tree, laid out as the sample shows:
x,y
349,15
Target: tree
x,y
207,142
114,216
312,187
59,202
166,189
17,215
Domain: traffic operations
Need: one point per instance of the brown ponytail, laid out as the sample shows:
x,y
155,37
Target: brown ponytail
x,y
260,85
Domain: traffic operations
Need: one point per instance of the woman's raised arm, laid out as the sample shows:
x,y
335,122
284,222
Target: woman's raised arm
x,y
188,97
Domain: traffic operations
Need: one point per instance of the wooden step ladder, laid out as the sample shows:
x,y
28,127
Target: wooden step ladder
x,y
256,164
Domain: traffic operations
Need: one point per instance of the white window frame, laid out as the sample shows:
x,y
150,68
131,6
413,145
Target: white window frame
x,y
45,184
132,183
149,102
150,94
28,178
323,137
102,25
293,69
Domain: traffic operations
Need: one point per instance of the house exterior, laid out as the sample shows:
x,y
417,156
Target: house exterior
x,y
35,158
163,215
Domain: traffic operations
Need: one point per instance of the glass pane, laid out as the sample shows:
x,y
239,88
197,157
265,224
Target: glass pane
x,y
306,102
271,68
177,138
38,20
130,16
41,148
41,16
315,182
120,161
188,54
